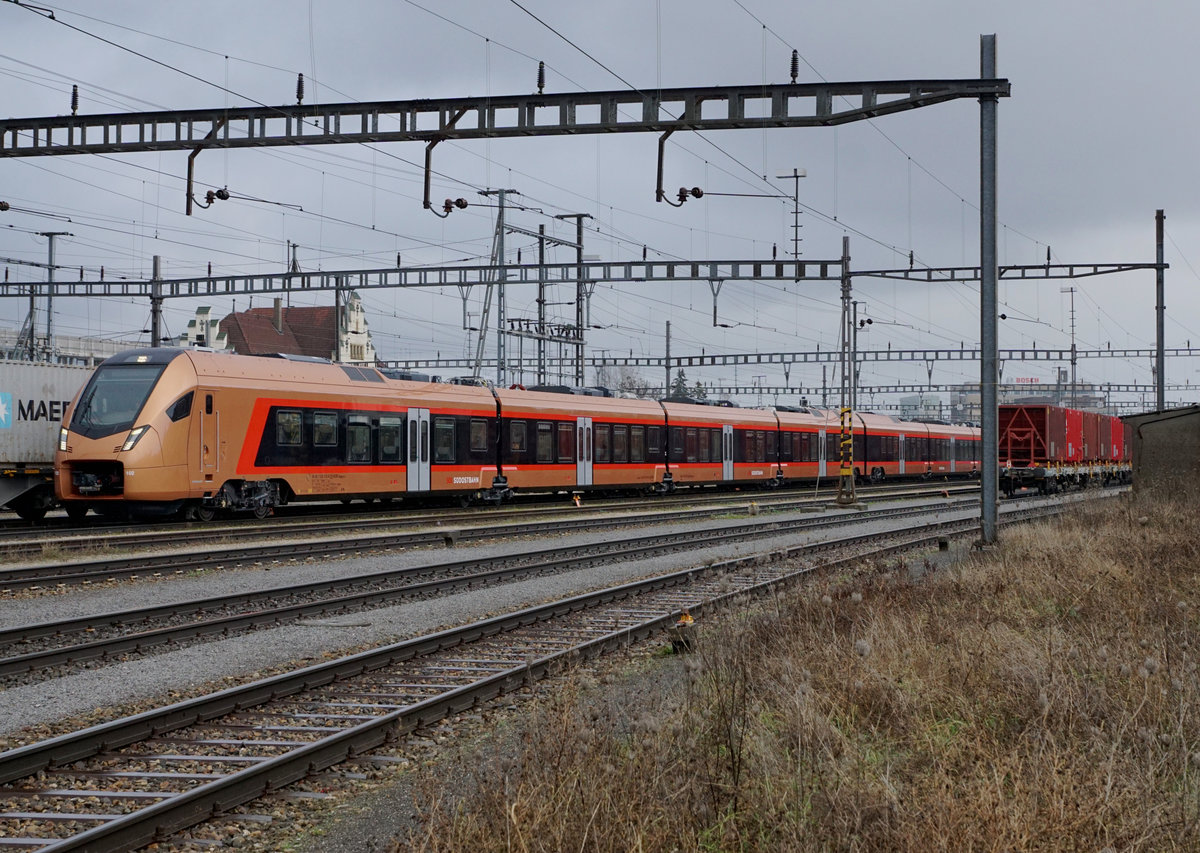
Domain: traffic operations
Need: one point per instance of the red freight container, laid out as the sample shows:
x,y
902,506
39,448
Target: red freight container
x,y
1031,436
1117,441
1104,448
1072,435
1091,436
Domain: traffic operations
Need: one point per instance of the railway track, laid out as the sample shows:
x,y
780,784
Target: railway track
x,y
22,540
109,636
327,539
127,783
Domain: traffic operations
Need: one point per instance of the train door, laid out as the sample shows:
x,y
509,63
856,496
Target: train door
x,y
210,434
418,450
727,451
821,458
900,452
583,452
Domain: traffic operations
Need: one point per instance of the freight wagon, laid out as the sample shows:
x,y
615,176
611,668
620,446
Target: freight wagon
x,y
33,399
1051,447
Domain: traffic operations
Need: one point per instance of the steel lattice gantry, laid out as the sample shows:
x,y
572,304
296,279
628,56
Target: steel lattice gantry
x,y
427,120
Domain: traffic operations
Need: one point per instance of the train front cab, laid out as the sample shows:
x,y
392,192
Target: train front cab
x,y
119,444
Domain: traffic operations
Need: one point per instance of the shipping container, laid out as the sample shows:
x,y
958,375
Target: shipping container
x,y
1104,449
1032,436
33,399
1091,436
1116,442
1072,435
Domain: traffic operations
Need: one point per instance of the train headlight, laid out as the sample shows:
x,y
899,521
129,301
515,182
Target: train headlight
x,y
134,435
62,439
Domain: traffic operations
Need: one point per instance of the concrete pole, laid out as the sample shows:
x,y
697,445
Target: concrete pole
x,y
988,274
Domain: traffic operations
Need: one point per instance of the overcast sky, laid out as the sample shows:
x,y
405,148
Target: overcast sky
x,y
1098,134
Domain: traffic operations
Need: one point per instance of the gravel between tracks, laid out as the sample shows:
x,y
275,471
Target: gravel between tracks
x,y
242,656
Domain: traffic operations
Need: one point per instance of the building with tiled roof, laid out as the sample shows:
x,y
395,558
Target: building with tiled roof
x,y
310,331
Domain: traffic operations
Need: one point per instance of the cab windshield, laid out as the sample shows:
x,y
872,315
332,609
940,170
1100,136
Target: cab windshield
x,y
113,398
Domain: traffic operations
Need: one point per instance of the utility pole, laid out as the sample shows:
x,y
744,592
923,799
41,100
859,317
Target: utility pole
x,y
156,302
580,289
501,275
796,175
51,235
1071,290
989,273
541,306
667,363
1160,309
845,491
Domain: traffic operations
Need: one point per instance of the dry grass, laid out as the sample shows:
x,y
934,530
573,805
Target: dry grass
x,y
1043,696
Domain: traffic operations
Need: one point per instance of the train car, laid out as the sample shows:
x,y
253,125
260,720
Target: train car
x,y
163,431
803,444
551,441
33,398
721,444
194,432
1052,447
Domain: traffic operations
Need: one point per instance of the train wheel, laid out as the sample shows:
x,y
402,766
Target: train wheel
x,y
76,511
32,511
199,512
261,512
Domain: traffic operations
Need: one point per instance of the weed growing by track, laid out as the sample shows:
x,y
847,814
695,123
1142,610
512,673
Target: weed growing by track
x,y
1040,696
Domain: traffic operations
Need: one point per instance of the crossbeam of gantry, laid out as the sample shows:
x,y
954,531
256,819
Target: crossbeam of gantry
x,y
616,272
833,356
1015,272
428,119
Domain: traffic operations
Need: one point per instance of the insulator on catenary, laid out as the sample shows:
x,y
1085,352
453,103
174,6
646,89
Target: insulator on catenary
x,y
795,65
74,99
299,88
541,77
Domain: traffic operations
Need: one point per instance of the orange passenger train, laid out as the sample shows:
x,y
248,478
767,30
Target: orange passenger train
x,y
192,432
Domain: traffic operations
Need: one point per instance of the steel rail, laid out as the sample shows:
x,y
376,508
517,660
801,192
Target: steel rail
x,y
461,573
181,562
119,832
31,541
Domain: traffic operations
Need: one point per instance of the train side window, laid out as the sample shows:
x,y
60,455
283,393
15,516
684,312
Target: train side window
x,y
760,445
479,431
545,442
516,436
208,404
181,408
654,442
676,444
566,437
443,440
705,450
603,436
637,444
391,430
424,441
412,441
620,443
689,444
325,429
580,444
287,428
772,438
358,441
